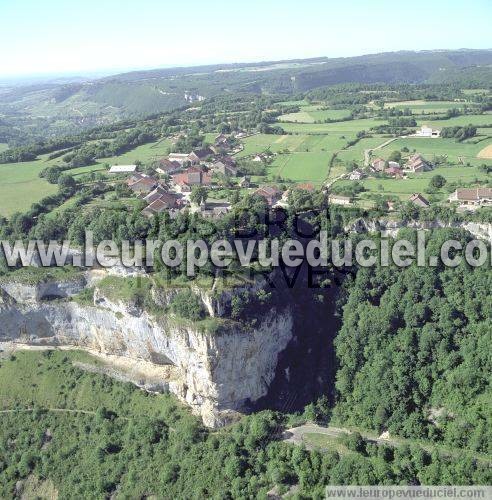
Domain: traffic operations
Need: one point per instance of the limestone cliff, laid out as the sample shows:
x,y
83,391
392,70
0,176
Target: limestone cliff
x,y
215,372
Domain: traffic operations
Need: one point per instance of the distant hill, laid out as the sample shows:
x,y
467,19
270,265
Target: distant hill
x,y
66,107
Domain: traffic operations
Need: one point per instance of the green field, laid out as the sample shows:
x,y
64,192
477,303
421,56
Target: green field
x,y
313,113
348,128
417,183
426,106
3,147
144,153
307,158
21,185
356,152
459,121
429,147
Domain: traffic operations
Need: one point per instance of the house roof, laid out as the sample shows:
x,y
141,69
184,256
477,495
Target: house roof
x,y
167,164
155,194
393,170
418,199
474,194
202,153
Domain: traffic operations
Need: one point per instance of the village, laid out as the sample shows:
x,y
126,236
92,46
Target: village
x,y
189,181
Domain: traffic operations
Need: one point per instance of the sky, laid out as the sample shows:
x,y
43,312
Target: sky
x,y
83,36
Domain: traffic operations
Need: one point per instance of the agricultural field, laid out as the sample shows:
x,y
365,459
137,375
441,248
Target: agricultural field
x,y
356,152
313,113
459,121
417,183
21,186
144,153
466,150
348,128
418,107
302,158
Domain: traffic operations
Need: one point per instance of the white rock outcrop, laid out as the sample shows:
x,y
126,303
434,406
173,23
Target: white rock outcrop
x,y
217,371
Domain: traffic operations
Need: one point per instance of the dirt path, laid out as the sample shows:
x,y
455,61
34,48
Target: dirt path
x,y
367,152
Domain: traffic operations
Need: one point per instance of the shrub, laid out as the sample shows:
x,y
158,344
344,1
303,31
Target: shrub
x,y
187,305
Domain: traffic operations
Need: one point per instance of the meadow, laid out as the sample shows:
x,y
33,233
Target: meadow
x,y
302,158
466,150
21,185
417,183
426,106
313,113
459,121
349,127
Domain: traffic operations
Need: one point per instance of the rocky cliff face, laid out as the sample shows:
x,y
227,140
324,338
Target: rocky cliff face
x,y
391,227
215,373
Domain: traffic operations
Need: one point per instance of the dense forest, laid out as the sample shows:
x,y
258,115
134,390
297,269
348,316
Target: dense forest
x,y
414,352
130,444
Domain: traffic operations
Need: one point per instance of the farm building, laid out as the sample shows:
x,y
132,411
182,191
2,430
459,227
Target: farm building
x,y
426,131
199,155
418,200
417,163
193,176
123,169
166,166
394,172
141,183
244,182
181,158
271,194
378,164
472,196
225,166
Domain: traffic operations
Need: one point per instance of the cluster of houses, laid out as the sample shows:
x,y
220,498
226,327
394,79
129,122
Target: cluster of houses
x,y
414,164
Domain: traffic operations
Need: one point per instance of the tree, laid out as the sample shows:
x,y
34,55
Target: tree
x,y
395,156
199,195
437,181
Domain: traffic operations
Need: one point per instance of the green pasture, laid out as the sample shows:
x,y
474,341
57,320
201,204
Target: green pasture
x,y
313,113
417,183
429,147
458,121
423,106
301,167
21,186
356,152
348,128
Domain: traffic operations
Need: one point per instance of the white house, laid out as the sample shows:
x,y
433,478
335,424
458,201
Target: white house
x,y
123,169
426,131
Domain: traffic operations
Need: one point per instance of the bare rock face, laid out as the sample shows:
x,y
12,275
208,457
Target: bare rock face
x,y
391,227
218,371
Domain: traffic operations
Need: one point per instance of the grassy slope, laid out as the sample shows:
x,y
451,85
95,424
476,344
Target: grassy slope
x,y
21,185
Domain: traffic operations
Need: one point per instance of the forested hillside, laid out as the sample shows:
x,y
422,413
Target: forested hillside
x,y
66,108
414,352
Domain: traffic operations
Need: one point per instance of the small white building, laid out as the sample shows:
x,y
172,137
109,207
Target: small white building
x,y
426,131
123,169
